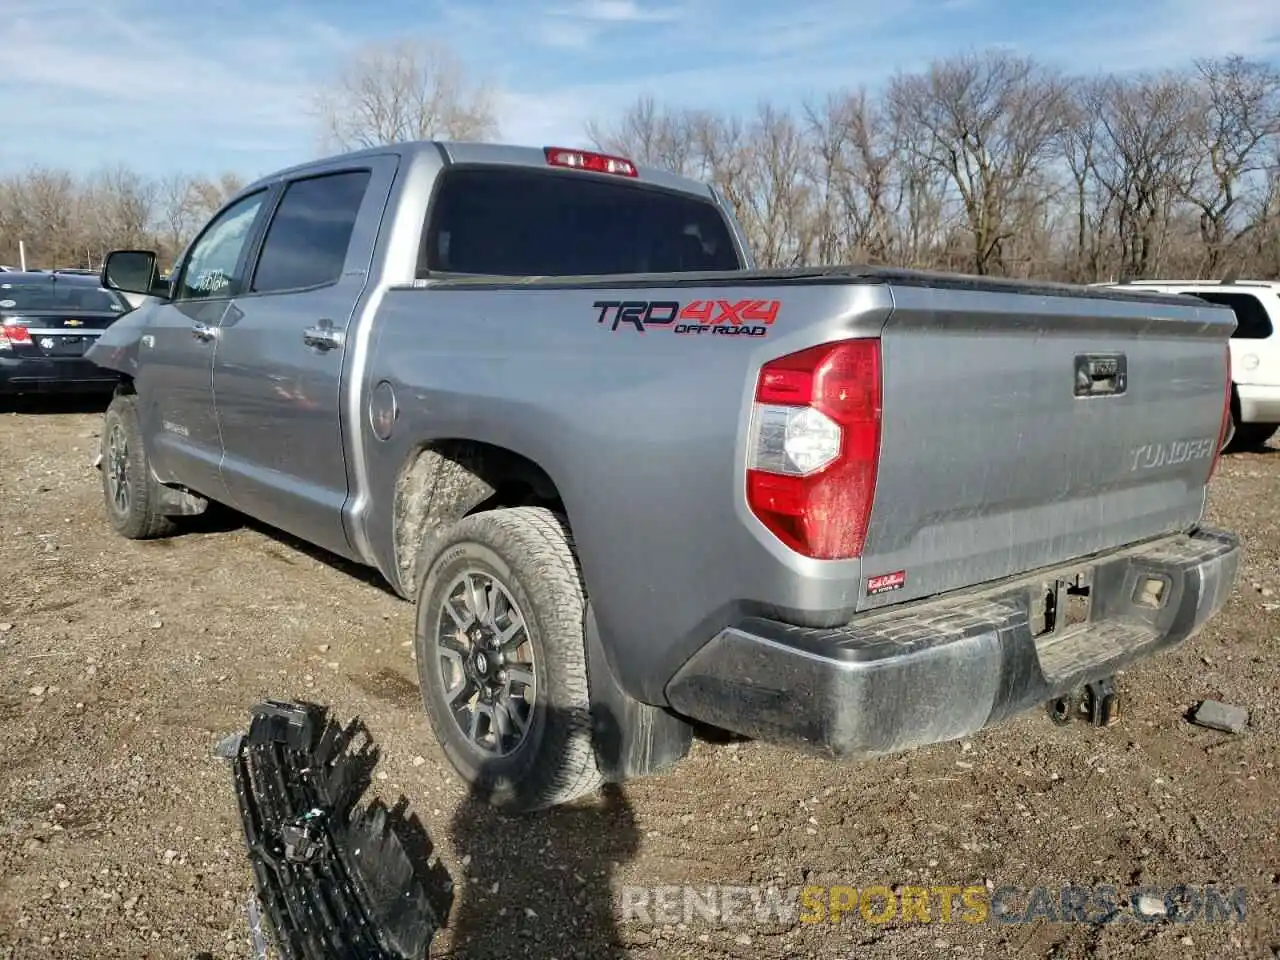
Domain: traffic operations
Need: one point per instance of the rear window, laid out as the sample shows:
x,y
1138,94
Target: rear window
x,y
1252,322
517,222
38,295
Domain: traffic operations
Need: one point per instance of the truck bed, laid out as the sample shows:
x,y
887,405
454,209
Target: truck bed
x,y
989,464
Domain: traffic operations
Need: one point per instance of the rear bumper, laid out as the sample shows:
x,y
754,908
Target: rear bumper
x,y
1258,403
45,375
942,669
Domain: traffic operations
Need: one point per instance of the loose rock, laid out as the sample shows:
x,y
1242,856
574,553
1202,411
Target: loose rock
x,y
1221,716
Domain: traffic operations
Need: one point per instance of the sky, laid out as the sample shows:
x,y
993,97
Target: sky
x,y
204,86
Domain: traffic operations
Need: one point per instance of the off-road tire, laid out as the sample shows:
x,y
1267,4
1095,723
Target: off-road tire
x,y
140,517
529,550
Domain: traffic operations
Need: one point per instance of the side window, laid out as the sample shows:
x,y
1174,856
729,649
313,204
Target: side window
x,y
1252,322
210,269
306,243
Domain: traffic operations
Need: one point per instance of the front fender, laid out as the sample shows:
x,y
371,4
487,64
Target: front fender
x,y
118,348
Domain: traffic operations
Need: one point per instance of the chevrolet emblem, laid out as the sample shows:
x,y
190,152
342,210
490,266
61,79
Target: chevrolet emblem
x,y
74,323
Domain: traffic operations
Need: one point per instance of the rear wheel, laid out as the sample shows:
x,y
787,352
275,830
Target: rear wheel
x,y
502,658
129,490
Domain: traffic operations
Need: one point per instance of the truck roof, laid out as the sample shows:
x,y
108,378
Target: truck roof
x,y
466,152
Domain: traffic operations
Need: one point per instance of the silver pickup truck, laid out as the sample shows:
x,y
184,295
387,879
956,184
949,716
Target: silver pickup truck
x,y
633,483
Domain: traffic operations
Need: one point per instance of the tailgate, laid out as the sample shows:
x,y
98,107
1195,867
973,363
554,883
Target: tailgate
x,y
1021,430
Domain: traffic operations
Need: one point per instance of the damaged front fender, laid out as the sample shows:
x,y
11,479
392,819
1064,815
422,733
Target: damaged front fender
x,y
118,347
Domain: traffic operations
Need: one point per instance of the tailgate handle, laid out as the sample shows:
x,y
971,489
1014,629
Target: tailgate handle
x,y
1101,374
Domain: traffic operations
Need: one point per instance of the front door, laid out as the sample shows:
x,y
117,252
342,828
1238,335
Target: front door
x,y
176,377
282,351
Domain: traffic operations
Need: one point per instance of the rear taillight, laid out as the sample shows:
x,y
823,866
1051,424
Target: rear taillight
x,y
587,160
11,333
1224,431
815,447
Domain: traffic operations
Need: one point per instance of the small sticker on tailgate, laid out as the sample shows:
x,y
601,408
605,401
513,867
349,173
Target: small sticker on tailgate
x,y
886,582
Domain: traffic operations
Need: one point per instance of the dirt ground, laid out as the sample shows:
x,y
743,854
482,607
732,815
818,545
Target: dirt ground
x,y
122,664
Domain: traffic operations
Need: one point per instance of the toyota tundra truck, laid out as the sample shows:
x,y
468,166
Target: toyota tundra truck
x,y
634,484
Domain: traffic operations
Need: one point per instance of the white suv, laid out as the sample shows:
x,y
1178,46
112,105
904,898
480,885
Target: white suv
x,y
1255,349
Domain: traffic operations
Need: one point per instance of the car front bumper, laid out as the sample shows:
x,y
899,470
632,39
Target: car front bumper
x,y
944,668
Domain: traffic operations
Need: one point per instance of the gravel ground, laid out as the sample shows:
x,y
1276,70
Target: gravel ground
x,y
121,665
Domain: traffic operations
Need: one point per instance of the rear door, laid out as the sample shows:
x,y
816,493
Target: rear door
x,y
282,351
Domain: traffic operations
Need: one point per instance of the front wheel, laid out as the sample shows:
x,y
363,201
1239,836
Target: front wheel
x,y
502,658
128,487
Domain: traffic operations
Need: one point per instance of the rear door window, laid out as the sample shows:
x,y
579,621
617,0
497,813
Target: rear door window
x,y
1252,322
307,240
500,221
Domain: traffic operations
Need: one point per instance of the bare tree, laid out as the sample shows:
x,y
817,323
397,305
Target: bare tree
x,y
1144,161
1078,148
207,196
652,137
400,91
48,216
860,179
117,209
176,213
776,198
988,122
1265,237
1237,118
69,221
981,162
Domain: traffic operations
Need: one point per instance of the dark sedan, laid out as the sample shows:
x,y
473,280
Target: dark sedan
x,y
47,321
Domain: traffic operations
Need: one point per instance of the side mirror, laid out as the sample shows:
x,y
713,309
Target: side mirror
x,y
132,271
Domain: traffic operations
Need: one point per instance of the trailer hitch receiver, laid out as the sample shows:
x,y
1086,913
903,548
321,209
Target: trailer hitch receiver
x,y
1097,702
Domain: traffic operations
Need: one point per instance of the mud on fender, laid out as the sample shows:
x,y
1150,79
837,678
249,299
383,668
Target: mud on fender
x,y
333,880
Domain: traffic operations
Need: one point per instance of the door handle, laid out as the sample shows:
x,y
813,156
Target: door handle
x,y
203,332
323,336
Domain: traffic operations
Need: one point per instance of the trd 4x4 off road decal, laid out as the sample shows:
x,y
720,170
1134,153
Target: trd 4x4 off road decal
x,y
731,318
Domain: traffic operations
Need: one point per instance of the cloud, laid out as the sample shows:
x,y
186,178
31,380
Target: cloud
x,y
1152,35
582,25
120,79
835,44
556,118
620,11
160,86
567,34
